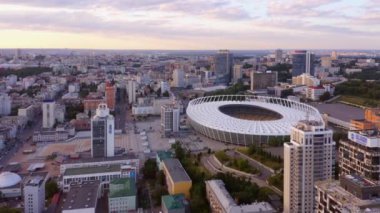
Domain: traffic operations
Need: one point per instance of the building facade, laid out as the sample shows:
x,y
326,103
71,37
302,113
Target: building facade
x,y
223,62
110,91
308,157
5,104
170,118
48,114
303,62
178,78
122,195
263,80
222,202
34,195
102,133
177,179
131,89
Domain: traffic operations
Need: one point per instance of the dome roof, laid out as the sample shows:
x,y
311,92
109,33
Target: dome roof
x,y
8,179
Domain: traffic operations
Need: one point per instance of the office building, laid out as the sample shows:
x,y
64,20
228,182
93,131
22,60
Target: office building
x,y
5,104
122,195
223,62
174,204
278,55
334,55
303,62
359,154
110,96
308,157
165,87
34,195
170,118
48,114
131,88
177,179
306,79
221,201
102,133
263,80
351,194
237,73
178,78
81,197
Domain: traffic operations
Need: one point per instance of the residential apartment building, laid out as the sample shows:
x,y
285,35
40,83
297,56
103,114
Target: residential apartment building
x,y
263,80
222,202
48,114
308,157
170,118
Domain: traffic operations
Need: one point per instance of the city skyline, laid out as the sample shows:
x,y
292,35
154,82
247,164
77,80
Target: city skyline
x,y
191,24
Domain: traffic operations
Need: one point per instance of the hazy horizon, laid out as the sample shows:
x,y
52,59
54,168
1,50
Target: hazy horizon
x,y
190,24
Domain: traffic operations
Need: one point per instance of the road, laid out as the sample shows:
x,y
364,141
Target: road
x,y
213,167
22,138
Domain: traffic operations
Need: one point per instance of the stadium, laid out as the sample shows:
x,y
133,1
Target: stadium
x,y
246,119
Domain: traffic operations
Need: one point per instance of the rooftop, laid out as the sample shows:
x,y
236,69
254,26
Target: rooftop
x,y
174,201
176,170
163,155
341,111
122,187
92,170
346,199
35,181
81,196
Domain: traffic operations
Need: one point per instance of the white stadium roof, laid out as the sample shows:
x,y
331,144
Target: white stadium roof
x,y
205,111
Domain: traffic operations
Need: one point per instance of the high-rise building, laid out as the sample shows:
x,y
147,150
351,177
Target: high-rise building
x,y
102,133
110,96
224,61
164,87
263,80
34,195
5,104
303,62
278,55
132,86
170,118
237,75
48,114
308,157
178,78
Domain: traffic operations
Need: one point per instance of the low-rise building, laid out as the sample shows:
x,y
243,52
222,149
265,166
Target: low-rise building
x,y
349,195
174,204
81,197
177,179
222,202
122,195
161,156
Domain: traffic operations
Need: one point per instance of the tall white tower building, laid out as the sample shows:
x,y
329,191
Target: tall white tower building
x,y
308,157
102,133
178,78
170,118
131,88
48,114
34,195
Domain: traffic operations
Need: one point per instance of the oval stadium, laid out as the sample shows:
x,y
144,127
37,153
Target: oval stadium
x,y
246,119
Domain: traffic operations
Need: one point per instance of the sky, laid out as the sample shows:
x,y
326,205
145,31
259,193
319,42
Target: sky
x,y
190,24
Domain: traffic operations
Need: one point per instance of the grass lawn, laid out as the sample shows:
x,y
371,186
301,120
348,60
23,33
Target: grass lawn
x,y
366,102
264,160
238,164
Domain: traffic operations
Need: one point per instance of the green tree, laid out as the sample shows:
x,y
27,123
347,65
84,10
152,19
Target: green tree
x,y
150,169
51,188
325,96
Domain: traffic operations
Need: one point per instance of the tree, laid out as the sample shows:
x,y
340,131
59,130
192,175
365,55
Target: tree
x,y
165,94
51,188
150,169
325,96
